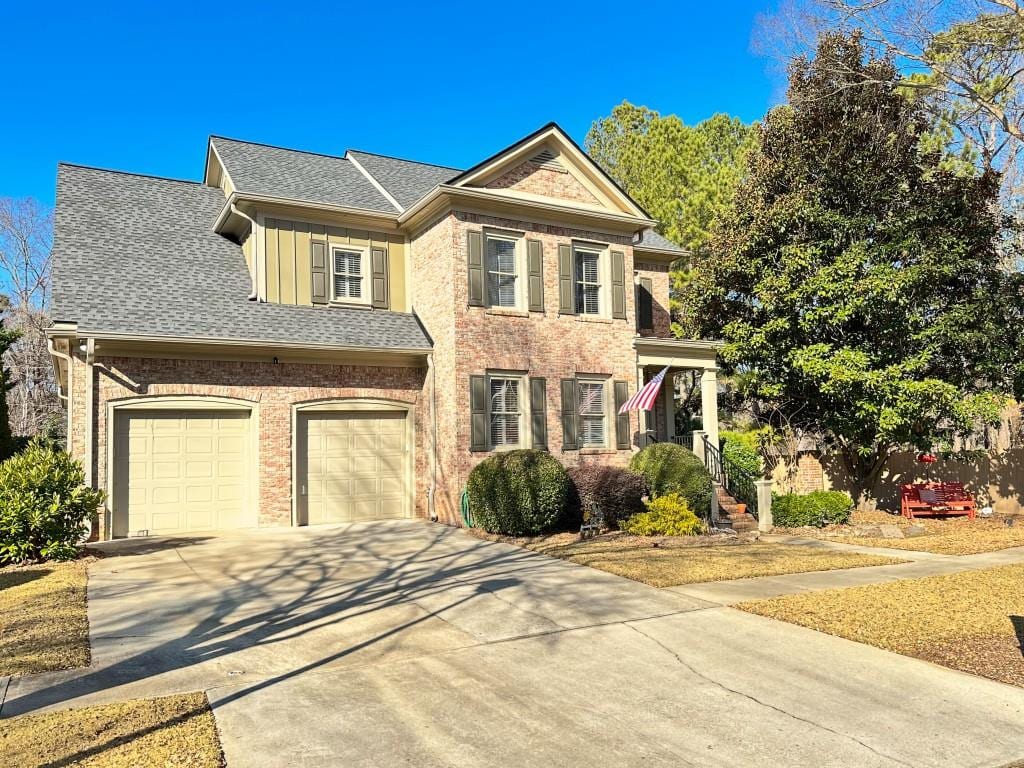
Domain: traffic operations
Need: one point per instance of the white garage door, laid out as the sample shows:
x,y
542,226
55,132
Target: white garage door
x,y
355,467
179,471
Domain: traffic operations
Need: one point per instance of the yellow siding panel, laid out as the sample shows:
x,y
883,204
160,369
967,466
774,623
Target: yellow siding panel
x,y
303,265
273,265
396,273
286,259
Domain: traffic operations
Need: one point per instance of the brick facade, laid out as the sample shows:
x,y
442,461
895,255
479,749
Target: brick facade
x,y
535,180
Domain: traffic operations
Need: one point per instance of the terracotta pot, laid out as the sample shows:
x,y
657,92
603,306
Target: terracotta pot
x,y
741,509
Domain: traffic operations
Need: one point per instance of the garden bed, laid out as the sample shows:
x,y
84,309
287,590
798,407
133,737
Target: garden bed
x,y
150,733
672,561
971,621
945,536
43,622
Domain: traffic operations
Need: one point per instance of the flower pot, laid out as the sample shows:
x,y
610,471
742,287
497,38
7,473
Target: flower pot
x,y
741,509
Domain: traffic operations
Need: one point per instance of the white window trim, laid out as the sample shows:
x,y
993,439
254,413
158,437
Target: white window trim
x,y
609,408
604,271
525,436
522,302
366,286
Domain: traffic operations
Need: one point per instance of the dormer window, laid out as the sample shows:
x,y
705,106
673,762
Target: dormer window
x,y
348,264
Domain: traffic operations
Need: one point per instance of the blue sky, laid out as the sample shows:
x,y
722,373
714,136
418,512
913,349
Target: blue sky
x,y
139,86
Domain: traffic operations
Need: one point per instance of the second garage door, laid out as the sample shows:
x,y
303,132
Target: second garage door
x,y
352,466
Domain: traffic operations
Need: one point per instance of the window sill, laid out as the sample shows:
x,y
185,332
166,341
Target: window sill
x,y
349,304
507,311
593,319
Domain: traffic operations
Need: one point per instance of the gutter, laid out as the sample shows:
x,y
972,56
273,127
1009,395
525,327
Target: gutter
x,y
237,197
254,295
90,416
66,397
432,490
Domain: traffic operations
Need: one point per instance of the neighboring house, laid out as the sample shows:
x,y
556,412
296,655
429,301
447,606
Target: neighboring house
x,y
306,339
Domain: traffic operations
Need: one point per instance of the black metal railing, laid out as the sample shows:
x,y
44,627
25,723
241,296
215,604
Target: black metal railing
x,y
737,481
685,440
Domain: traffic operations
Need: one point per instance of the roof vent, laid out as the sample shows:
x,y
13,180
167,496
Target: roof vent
x,y
547,159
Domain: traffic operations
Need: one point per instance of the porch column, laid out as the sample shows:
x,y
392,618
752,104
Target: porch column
x,y
709,404
669,393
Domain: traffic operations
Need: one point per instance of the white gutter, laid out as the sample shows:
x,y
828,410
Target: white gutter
x,y
66,397
254,295
432,491
90,416
383,216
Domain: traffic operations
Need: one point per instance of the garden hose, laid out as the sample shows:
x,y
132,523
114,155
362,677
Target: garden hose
x,y
467,516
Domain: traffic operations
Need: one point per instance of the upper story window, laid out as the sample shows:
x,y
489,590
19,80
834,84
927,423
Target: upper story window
x,y
349,265
502,270
592,413
506,412
588,268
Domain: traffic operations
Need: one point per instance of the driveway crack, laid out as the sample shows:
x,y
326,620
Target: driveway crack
x,y
761,703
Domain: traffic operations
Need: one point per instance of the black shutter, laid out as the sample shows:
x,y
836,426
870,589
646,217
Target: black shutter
x,y
379,277
478,413
618,285
622,436
475,259
566,304
319,287
569,439
535,274
539,412
645,304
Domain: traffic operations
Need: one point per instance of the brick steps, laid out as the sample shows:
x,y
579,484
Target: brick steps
x,y
729,515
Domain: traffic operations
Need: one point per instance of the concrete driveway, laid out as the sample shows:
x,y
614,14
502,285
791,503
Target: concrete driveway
x,y
407,643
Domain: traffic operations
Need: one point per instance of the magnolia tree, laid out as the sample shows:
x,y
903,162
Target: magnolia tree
x,y
856,279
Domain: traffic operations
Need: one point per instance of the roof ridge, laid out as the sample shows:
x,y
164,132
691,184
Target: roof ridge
x,y
277,146
82,166
406,160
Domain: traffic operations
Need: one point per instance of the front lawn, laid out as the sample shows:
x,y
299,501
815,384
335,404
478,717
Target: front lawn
x,y
150,733
669,562
972,621
943,536
43,623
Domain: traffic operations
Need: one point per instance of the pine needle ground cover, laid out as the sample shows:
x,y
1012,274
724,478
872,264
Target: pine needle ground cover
x,y
148,733
672,561
971,621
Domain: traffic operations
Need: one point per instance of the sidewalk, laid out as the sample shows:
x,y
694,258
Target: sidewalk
x,y
921,564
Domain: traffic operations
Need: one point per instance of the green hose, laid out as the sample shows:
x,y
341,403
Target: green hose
x,y
467,516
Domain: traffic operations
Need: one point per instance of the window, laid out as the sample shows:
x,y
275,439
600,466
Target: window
x,y
588,282
505,411
501,271
348,266
592,417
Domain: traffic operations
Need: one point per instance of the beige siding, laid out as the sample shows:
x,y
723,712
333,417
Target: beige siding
x,y
287,258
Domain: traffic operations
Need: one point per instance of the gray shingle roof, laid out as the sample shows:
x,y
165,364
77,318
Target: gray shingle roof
x,y
653,240
136,254
405,180
264,170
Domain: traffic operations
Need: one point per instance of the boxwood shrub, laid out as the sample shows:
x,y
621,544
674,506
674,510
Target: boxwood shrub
x,y
819,508
618,492
45,508
518,493
670,468
667,515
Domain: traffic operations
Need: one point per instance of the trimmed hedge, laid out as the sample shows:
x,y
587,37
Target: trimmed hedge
x,y
819,508
667,515
45,508
616,491
671,468
740,448
518,492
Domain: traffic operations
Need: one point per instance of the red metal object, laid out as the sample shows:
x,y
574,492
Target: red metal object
x,y
926,458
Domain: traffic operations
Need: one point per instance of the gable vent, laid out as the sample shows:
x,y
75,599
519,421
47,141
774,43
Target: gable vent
x,y
546,159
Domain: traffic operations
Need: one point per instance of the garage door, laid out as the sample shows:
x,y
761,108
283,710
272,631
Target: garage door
x,y
179,471
355,467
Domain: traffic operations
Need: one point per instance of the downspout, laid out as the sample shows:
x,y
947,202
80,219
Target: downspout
x,y
90,416
66,397
432,491
254,295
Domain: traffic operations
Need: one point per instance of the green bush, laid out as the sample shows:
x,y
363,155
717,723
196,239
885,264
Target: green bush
x,y
819,508
669,468
518,492
616,491
45,507
667,515
740,449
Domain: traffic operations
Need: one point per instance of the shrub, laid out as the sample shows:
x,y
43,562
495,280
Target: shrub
x,y
618,492
818,508
667,515
669,468
44,505
518,492
740,448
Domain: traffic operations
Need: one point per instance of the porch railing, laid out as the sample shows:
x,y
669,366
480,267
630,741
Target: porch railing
x,y
685,440
737,481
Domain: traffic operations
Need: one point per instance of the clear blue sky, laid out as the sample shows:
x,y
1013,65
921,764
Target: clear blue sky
x,y
138,86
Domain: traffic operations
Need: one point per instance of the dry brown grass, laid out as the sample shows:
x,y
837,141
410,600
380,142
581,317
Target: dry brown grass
x,y
150,733
943,536
671,561
43,623
972,621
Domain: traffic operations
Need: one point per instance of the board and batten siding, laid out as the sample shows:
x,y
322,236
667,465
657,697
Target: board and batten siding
x,y
287,278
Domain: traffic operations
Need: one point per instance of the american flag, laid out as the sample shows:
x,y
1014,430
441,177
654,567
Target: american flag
x,y
644,399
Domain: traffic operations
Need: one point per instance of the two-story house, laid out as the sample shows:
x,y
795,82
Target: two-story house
x,y
305,339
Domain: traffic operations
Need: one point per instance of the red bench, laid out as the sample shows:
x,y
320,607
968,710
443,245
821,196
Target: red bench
x,y
936,499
